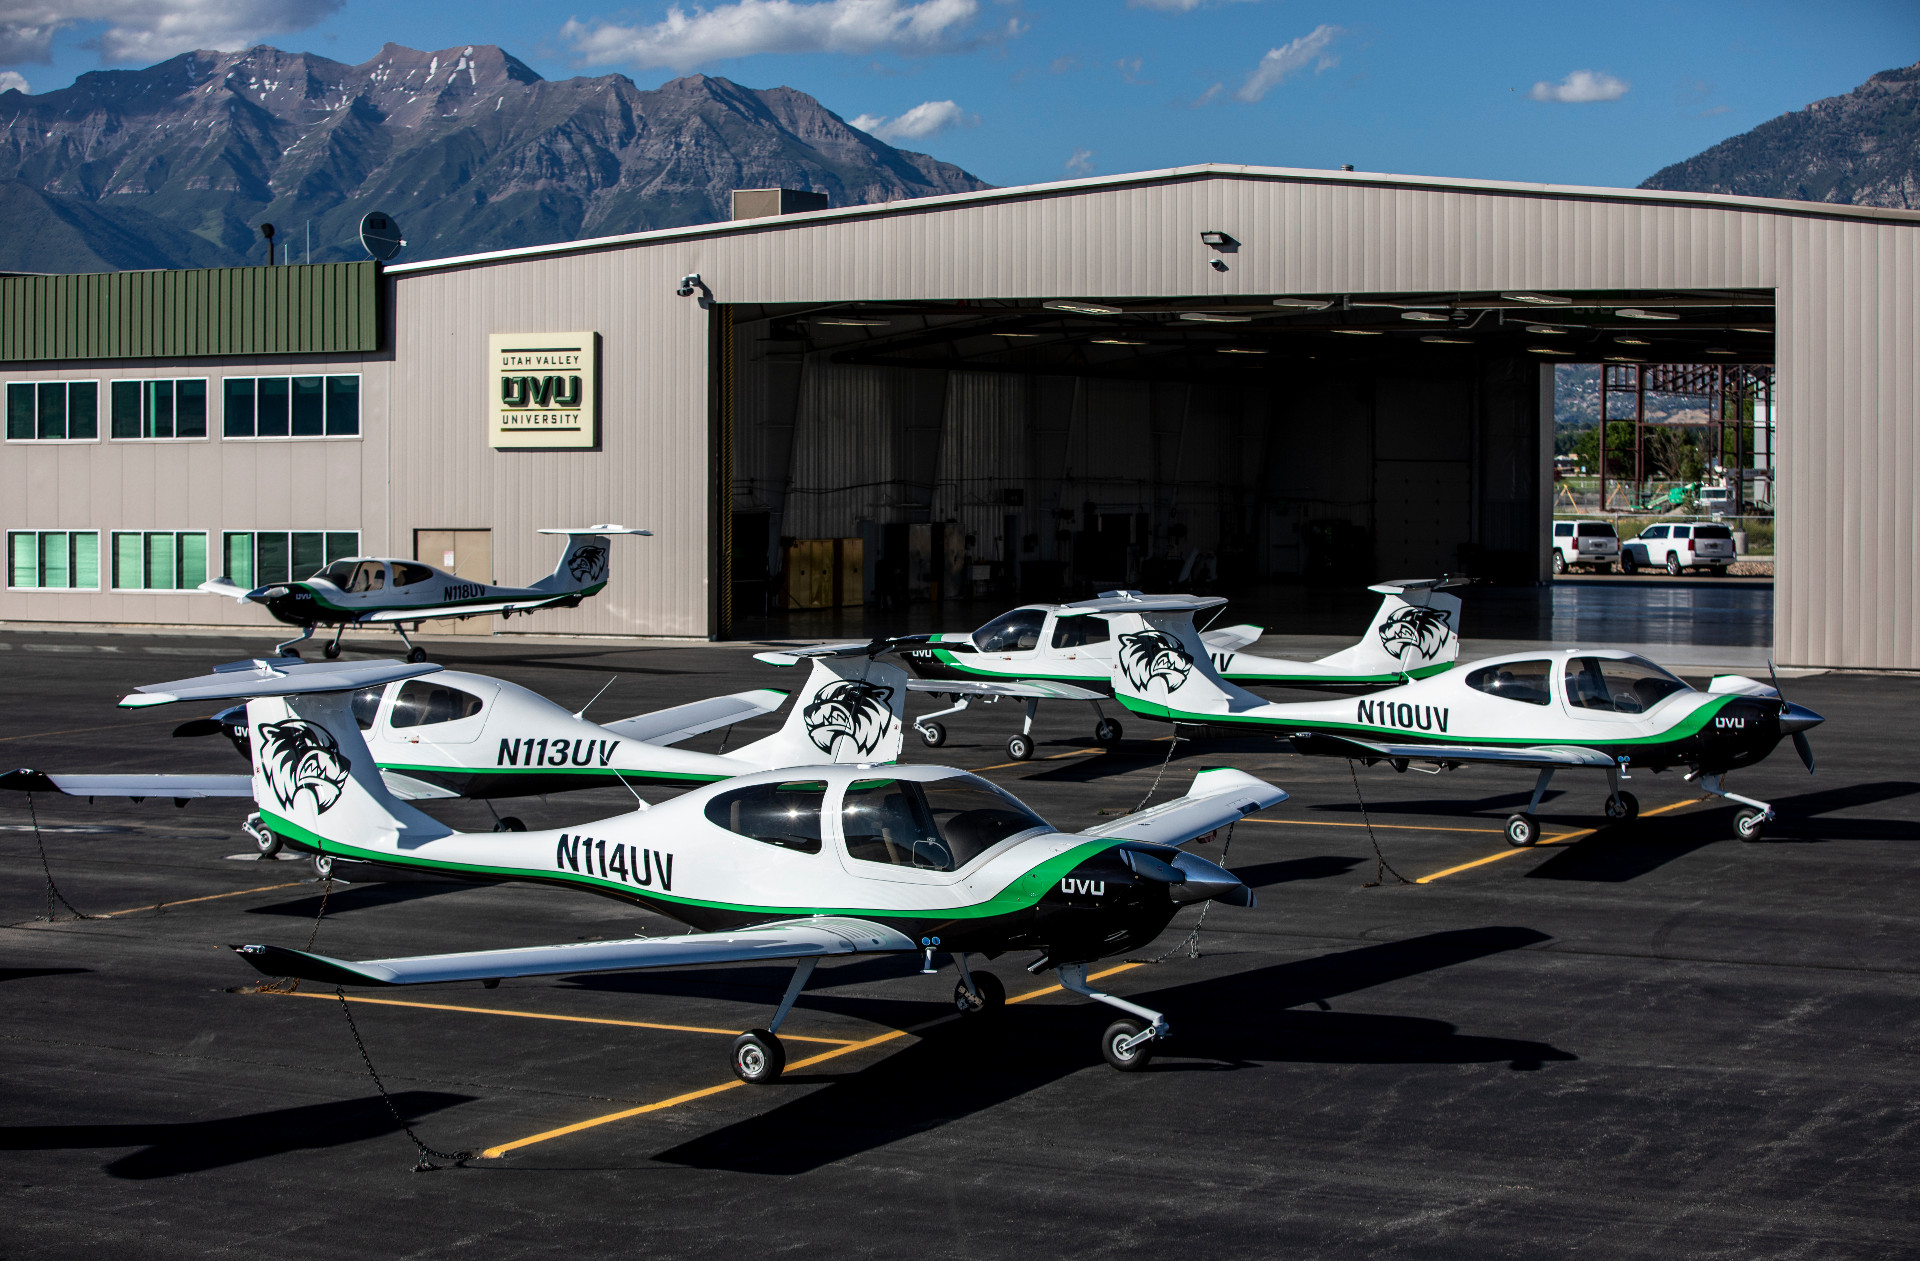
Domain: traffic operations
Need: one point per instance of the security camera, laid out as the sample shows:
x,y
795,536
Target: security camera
x,y
687,284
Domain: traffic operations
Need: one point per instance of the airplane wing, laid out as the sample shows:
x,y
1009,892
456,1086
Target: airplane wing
x,y
1231,638
223,586
1218,797
275,676
178,787
786,939
681,722
871,648
1034,689
1539,756
434,612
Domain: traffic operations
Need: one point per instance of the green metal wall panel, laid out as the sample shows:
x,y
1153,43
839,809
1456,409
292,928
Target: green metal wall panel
x,y
323,309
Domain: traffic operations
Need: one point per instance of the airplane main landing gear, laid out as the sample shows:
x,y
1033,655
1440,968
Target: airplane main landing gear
x,y
1108,731
332,651
981,995
1126,1045
1522,830
1623,806
414,655
758,1056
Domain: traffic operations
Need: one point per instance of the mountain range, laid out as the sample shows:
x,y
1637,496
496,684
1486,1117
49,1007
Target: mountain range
x,y
1860,149
468,148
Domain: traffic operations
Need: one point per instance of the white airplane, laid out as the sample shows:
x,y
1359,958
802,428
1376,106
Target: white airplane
x,y
1596,708
793,864
437,734
375,591
1065,652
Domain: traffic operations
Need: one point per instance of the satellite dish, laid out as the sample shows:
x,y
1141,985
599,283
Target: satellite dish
x,y
380,235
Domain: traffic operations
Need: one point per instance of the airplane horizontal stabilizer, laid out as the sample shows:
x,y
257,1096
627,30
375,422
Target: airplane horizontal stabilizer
x,y
576,531
682,722
1218,797
1538,755
407,788
276,676
789,939
1231,638
1030,689
178,787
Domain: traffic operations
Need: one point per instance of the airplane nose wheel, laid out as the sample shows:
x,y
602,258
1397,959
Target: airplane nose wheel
x,y
323,865
330,651
1623,806
1128,1045
1749,824
1522,830
758,1057
991,1000
509,823
932,734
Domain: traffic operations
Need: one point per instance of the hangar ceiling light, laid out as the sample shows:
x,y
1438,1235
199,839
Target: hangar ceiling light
x,y
1356,332
1721,350
1082,308
1210,317
1623,359
1538,299
1425,317
1016,334
1241,350
1114,341
1765,332
1435,340
1547,328
856,323
1636,313
1632,341
1303,304
1547,350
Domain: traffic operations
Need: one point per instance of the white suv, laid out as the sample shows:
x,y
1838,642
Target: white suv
x,y
1679,548
1591,543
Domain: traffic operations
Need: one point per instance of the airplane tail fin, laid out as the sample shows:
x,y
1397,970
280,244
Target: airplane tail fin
x,y
852,709
583,566
1162,669
1416,631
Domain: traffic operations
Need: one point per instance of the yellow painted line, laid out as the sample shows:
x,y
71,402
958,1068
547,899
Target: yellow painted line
x,y
1001,766
211,897
891,1035
1561,839
541,1015
1378,827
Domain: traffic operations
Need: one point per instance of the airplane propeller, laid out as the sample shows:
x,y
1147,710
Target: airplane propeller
x,y
1795,720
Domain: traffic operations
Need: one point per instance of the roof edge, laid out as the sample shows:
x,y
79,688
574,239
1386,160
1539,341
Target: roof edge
x,y
1174,175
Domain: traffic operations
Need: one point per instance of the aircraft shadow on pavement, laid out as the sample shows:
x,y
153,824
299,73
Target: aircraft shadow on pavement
x,y
358,897
21,974
1318,867
759,984
1800,816
1222,1024
1621,852
171,1148
1498,804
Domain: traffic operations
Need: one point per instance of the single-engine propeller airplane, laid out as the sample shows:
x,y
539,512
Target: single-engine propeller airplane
x,y
1065,652
793,864
374,591
437,734
1587,708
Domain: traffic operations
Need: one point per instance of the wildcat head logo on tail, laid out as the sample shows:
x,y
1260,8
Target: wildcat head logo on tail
x,y
852,708
588,562
1150,654
1412,629
297,756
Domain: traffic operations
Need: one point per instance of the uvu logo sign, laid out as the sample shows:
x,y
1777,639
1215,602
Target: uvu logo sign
x,y
542,389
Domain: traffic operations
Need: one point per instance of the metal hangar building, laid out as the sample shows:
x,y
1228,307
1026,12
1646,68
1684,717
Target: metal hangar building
x,y
1227,374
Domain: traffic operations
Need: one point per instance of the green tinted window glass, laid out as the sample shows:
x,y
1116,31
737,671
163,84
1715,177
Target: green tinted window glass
x,y
20,410
343,405
237,410
309,553
86,560
342,543
23,560
193,560
53,410
123,398
309,408
157,399
129,569
83,409
270,398
54,561
190,409
238,560
160,570
272,559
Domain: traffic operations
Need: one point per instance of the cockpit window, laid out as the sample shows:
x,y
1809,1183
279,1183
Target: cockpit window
x,y
787,815
1078,632
941,826
1620,685
340,573
406,573
366,706
1011,632
1529,681
423,703
368,575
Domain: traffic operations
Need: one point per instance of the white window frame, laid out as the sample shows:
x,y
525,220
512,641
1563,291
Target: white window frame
x,y
220,569
360,419
99,573
99,416
106,414
107,558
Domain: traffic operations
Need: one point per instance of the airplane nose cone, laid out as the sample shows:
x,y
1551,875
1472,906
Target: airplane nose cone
x,y
1796,718
1205,880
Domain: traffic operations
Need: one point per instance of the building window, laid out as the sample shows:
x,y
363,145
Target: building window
x,y
53,411
53,560
158,560
158,409
256,558
291,407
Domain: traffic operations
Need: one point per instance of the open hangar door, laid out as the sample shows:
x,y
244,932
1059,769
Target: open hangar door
x,y
920,465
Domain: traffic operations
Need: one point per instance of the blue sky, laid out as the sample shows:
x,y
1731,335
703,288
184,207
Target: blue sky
x,y
1021,91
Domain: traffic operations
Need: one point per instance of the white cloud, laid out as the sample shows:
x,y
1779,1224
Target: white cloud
x,y
1081,163
1176,6
150,30
1283,61
1580,88
749,27
13,80
928,118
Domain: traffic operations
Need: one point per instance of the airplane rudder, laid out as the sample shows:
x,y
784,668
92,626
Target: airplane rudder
x,y
313,772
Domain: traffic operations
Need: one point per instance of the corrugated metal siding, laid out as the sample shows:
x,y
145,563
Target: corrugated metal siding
x,y
323,309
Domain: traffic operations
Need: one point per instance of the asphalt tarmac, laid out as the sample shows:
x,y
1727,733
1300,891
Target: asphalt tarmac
x,y
1644,1041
